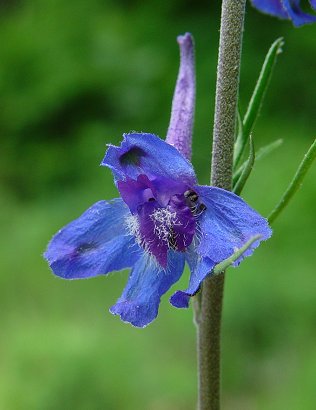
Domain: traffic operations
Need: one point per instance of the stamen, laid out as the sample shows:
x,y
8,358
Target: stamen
x,y
132,225
164,221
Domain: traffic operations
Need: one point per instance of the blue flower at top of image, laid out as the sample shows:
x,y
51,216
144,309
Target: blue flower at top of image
x,y
162,219
287,9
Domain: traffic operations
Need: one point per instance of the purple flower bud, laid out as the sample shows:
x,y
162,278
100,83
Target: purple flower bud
x,y
182,114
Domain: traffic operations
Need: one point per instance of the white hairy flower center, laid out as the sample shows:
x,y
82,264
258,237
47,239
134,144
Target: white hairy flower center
x,y
164,220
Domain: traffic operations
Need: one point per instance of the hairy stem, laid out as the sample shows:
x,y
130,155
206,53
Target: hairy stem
x,y
210,309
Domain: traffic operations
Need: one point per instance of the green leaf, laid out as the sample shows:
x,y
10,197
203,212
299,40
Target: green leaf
x,y
267,149
238,187
219,268
296,182
257,98
239,126
261,153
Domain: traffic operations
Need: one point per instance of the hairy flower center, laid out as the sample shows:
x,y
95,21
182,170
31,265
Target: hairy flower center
x,y
132,225
163,214
164,222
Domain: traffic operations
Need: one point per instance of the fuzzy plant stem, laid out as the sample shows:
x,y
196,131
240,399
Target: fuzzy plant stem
x,y
209,312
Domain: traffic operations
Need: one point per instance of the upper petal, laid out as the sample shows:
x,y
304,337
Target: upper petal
x,y
135,193
140,300
227,224
147,154
96,243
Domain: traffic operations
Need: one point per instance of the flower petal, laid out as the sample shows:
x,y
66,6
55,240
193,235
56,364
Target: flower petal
x,y
140,300
96,243
227,224
147,154
272,7
286,9
200,268
296,14
135,193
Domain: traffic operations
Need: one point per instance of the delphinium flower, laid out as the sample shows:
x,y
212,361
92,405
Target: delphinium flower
x,y
162,220
287,9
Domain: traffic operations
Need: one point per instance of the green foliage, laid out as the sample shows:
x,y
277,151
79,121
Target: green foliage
x,y
296,182
257,98
75,76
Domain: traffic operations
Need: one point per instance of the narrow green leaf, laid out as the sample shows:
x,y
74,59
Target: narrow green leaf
x,y
261,153
257,98
240,136
267,149
239,127
227,262
238,187
296,182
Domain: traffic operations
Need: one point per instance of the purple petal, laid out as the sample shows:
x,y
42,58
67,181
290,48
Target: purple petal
x,y
161,228
200,268
184,228
94,244
227,224
149,155
165,188
272,7
182,114
296,14
140,300
313,4
135,193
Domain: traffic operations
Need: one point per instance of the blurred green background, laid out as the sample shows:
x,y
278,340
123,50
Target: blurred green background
x,y
74,76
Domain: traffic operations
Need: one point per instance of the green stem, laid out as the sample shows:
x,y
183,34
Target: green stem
x,y
209,310
295,183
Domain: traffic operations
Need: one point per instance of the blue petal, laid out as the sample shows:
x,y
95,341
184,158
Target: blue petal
x,y
149,155
227,224
272,7
94,244
200,268
140,300
286,9
295,13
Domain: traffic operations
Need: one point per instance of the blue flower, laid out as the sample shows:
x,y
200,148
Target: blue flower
x,y
286,9
162,220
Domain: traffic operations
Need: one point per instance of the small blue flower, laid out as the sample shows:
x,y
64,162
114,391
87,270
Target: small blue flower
x,y
286,9
162,220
